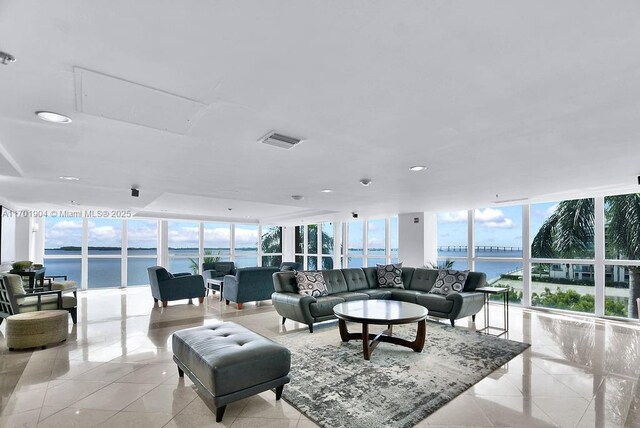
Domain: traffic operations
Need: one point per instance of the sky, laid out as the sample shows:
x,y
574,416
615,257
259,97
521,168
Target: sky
x,y
493,226
143,233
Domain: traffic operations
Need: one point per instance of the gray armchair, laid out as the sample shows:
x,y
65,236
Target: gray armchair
x,y
218,270
166,286
249,285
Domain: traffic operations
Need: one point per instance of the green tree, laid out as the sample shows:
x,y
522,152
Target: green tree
x,y
569,233
272,243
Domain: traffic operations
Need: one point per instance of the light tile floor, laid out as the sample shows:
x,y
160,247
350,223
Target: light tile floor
x,y
116,370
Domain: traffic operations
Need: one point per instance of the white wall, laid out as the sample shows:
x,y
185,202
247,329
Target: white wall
x,y
417,238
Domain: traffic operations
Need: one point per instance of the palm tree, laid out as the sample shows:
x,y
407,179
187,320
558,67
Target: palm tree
x,y
569,233
208,258
272,242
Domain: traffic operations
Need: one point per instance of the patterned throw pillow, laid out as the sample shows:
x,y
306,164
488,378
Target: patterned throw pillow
x,y
449,281
390,275
311,284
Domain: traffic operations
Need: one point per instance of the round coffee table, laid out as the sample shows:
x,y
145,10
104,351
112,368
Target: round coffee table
x,y
381,312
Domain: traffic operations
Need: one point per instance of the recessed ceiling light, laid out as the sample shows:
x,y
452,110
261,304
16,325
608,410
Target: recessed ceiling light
x,y
68,178
297,197
50,116
72,202
418,168
365,181
326,190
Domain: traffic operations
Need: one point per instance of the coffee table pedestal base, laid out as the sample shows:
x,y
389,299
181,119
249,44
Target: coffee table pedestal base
x,y
371,340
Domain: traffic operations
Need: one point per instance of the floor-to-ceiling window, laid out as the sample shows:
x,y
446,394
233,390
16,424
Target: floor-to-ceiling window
x,y
355,244
328,245
142,249
622,255
184,244
63,247
105,252
453,233
271,241
376,242
393,239
217,242
246,245
582,255
562,254
498,247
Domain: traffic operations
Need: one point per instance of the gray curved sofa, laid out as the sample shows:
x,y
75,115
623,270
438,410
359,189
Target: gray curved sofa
x,y
361,283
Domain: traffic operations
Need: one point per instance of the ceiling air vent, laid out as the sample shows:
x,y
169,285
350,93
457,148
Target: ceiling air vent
x,y
279,140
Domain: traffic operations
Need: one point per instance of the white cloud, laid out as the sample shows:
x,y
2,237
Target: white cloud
x,y
492,218
453,217
246,237
67,225
552,209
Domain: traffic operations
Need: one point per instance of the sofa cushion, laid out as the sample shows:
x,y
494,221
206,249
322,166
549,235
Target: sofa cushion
x,y
379,293
335,281
405,295
356,279
323,306
311,284
351,295
423,279
389,275
449,281
435,302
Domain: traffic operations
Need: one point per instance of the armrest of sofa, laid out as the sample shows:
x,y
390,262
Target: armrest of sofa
x,y
230,289
293,306
176,275
465,304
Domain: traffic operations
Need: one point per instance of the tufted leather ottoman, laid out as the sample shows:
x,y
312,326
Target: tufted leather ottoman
x,y
229,362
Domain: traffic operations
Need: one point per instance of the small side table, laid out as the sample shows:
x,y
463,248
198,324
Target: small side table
x,y
488,291
215,284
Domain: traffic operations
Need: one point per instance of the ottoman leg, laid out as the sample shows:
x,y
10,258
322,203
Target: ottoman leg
x,y
180,372
220,413
201,299
279,392
74,314
165,303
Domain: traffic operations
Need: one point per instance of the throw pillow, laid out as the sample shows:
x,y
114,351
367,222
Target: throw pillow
x,y
311,284
390,275
15,283
449,281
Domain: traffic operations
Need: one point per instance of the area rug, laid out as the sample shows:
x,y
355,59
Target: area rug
x,y
334,386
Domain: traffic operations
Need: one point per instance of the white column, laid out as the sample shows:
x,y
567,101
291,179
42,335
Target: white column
x,y
526,256
200,246
125,253
288,244
84,263
259,245
337,243
417,238
163,243
22,237
599,256
232,242
471,240
36,248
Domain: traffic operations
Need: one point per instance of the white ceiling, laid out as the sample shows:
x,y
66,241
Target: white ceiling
x,y
500,100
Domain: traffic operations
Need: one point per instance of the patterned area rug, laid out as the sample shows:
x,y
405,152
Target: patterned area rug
x,y
333,385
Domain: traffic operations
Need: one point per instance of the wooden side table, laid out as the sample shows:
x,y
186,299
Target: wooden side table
x,y
488,291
